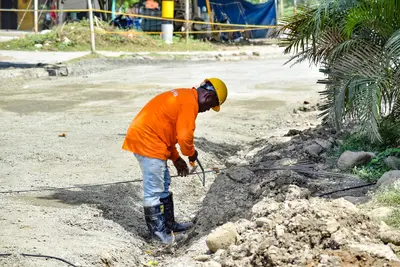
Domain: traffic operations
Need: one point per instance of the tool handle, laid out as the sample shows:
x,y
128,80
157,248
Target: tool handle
x,y
192,163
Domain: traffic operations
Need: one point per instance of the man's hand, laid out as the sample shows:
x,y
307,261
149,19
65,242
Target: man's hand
x,y
181,167
194,157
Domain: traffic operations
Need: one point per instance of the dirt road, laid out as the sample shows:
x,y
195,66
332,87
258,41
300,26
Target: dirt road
x,y
89,226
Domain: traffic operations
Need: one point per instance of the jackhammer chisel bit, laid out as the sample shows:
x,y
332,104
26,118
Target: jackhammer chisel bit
x,y
202,179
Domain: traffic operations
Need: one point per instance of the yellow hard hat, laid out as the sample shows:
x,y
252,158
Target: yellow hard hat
x,y
220,89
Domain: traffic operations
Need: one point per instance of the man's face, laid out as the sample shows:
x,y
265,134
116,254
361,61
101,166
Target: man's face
x,y
207,100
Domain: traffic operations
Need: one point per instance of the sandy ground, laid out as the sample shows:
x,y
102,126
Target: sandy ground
x,y
26,58
88,226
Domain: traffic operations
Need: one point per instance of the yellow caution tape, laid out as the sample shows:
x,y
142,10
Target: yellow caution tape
x,y
190,32
145,16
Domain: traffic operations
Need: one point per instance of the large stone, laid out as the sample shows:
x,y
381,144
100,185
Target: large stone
x,y
222,237
378,250
390,237
393,162
350,159
388,178
314,150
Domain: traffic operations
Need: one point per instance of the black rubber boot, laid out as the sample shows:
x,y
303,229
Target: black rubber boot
x,y
156,223
170,217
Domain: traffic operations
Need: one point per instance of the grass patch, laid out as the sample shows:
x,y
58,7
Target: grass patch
x,y
393,219
390,196
76,37
358,142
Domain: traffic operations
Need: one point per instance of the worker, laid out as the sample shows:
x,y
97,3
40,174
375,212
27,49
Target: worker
x,y
166,120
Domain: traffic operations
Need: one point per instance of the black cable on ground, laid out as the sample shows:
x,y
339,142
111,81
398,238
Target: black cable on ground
x,y
87,186
346,189
39,256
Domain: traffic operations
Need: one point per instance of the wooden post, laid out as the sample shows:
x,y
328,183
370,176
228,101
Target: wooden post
x,y
210,17
294,6
187,17
91,26
113,9
60,6
36,15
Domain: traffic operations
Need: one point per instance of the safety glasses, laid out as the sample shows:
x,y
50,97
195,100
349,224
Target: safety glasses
x,y
209,87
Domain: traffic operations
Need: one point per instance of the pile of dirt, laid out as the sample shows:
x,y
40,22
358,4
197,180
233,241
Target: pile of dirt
x,y
278,220
300,231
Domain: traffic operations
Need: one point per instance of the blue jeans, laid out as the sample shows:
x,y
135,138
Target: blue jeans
x,y
156,179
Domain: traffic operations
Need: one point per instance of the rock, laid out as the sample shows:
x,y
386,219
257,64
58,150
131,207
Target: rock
x,y
393,162
202,257
388,178
240,174
261,221
332,226
314,150
390,237
325,144
377,250
295,192
256,190
235,161
380,213
66,40
350,159
265,207
38,45
293,132
279,230
222,237
356,200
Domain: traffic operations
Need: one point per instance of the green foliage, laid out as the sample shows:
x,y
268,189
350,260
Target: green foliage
x,y
358,44
76,36
393,219
124,5
388,196
359,142
377,167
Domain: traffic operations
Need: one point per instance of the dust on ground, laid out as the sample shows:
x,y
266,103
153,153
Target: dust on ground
x,y
104,225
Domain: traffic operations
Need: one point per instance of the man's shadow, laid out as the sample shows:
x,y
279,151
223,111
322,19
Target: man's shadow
x,y
121,203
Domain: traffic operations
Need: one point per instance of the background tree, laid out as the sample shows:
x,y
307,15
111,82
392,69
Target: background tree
x,y
357,43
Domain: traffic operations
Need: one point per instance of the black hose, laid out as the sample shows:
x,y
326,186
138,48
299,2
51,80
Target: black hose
x,y
39,256
345,189
86,186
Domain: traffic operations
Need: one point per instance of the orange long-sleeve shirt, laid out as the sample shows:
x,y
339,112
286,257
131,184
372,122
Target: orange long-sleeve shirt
x,y
168,119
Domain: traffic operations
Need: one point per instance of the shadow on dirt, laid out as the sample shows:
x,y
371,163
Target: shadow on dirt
x,y
220,150
121,203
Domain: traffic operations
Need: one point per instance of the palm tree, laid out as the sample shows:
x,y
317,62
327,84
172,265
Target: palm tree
x,y
357,42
